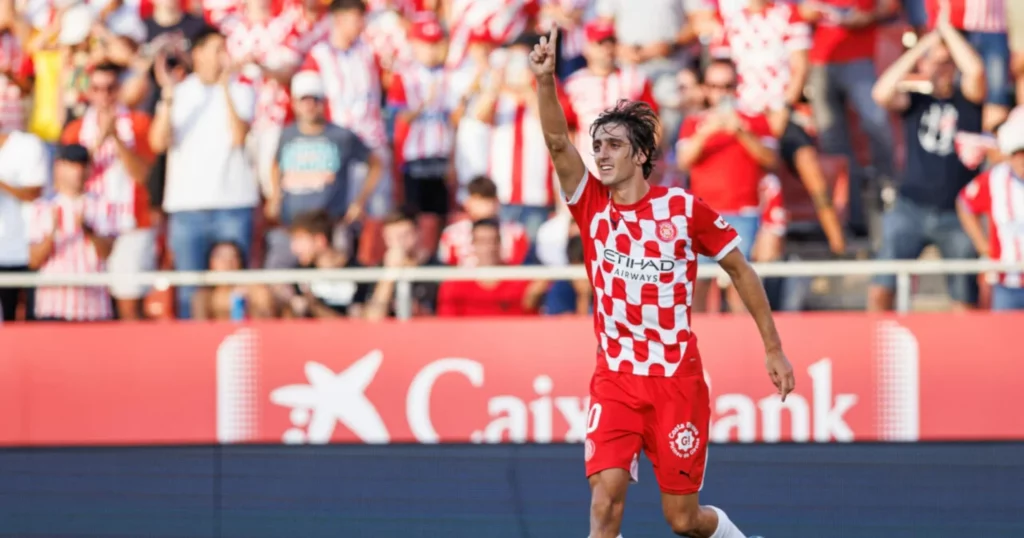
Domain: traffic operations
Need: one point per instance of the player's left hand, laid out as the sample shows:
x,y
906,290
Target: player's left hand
x,y
781,372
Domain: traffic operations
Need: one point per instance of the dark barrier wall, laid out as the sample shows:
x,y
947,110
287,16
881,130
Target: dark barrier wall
x,y
499,491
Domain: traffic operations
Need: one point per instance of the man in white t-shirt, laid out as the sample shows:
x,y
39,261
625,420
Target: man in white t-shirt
x,y
211,188
24,171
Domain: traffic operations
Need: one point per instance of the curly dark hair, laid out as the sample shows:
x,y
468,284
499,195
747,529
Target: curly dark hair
x,y
642,126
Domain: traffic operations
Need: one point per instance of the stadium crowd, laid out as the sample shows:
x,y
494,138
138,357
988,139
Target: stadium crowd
x,y
225,134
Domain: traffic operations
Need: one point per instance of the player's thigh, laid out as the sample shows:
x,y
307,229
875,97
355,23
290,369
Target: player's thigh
x,y
677,438
614,426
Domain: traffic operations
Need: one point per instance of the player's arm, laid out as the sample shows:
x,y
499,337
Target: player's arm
x,y
568,163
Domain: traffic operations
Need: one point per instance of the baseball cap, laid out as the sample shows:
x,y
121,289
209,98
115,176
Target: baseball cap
x,y
598,31
75,24
125,24
1011,136
74,153
426,29
307,84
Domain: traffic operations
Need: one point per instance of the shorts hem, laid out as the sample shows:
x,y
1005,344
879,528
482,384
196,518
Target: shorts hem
x,y
680,491
603,468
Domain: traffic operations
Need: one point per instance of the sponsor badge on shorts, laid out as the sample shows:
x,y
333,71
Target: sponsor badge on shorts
x,y
666,231
684,440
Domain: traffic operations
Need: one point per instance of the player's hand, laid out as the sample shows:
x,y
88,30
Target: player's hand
x,y
781,372
542,59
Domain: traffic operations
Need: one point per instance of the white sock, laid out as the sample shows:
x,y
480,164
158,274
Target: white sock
x,y
726,528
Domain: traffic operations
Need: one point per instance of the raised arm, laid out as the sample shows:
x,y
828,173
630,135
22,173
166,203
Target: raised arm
x,y
886,91
568,163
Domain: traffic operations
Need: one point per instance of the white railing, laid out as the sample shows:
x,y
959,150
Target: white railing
x,y
903,270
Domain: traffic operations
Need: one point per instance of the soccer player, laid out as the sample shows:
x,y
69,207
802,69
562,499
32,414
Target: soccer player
x,y
641,244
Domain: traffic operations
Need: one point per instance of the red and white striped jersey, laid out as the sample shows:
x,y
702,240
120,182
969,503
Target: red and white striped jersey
x,y
761,45
642,262
306,32
999,194
13,60
571,39
217,12
774,216
504,20
352,86
72,254
110,180
418,87
592,94
520,164
987,16
268,42
456,245
385,33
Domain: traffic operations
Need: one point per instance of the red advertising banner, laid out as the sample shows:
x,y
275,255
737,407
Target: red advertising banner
x,y
859,378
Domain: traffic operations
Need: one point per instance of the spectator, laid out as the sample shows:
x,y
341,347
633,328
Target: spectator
x,y
503,22
117,139
568,16
221,302
352,90
727,152
71,232
469,298
842,73
311,24
999,194
471,157
404,250
168,33
259,43
769,42
925,208
983,23
15,80
316,243
570,296
519,162
202,123
456,247
313,169
421,97
652,35
600,84
24,171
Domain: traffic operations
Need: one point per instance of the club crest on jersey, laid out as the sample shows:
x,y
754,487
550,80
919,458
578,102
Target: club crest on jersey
x,y
666,230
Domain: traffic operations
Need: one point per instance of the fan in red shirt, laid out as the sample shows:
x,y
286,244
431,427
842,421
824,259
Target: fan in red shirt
x,y
463,298
641,244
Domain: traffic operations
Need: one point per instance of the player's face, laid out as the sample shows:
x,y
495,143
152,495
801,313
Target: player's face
x,y
616,161
719,82
487,245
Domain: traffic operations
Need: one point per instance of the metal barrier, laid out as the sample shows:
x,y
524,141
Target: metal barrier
x,y
904,270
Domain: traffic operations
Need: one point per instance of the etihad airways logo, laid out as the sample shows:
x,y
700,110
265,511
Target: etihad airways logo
x,y
647,270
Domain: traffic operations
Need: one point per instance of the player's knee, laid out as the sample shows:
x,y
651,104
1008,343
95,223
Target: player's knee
x,y
606,508
684,522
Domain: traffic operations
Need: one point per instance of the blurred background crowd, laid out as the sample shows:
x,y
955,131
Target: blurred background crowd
x,y
226,134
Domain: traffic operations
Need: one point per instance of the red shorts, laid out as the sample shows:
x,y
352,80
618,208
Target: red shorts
x,y
668,417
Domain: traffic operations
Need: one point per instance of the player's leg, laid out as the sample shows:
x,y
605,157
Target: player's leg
x,y
612,449
678,447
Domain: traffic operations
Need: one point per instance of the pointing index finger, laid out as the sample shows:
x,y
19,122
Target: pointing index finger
x,y
553,36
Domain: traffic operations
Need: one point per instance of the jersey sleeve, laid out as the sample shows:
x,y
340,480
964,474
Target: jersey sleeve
x,y
798,32
976,196
712,236
587,201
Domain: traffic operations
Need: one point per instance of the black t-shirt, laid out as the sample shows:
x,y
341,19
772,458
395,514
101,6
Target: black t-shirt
x,y
934,173
189,26
339,296
424,294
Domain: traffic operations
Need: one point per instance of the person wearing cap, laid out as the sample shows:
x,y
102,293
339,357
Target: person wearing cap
x,y
999,194
211,189
599,85
314,169
83,226
422,99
